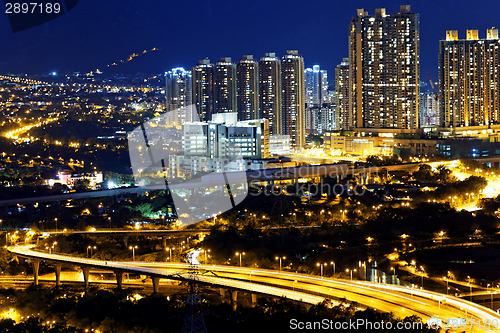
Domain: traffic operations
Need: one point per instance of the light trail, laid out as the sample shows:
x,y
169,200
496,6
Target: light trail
x,y
403,301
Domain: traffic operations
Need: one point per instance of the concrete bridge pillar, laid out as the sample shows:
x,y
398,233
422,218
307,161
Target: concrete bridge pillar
x,y
164,241
119,279
36,266
234,298
57,268
222,292
254,300
234,295
125,241
156,284
86,273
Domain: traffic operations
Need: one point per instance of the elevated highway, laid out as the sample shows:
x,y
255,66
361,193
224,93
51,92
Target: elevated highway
x,y
402,301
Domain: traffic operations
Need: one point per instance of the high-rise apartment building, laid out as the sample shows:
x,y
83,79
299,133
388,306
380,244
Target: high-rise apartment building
x,y
293,97
469,79
312,86
326,119
247,74
429,109
203,98
225,86
343,96
270,91
323,81
384,72
316,86
311,120
178,95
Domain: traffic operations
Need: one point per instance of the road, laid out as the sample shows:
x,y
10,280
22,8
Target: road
x,y
491,190
402,301
130,232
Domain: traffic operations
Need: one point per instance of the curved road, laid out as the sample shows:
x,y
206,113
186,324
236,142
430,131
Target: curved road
x,y
402,301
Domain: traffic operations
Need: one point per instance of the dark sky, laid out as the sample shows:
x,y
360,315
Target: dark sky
x,y
98,32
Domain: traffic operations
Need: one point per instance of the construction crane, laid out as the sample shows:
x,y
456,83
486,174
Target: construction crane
x,y
436,93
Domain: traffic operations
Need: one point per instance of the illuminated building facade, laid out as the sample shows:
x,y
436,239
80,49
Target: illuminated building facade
x,y
202,78
270,91
469,79
429,108
226,137
225,86
316,86
343,96
178,94
247,72
293,97
384,72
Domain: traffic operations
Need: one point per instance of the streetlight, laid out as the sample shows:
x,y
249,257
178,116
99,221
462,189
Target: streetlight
x,y
422,275
293,286
321,268
333,264
350,270
446,279
240,254
280,258
393,275
91,250
205,251
470,285
1,225
170,249
55,220
133,248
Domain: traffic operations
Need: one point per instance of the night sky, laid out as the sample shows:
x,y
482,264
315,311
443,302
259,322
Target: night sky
x,y
98,32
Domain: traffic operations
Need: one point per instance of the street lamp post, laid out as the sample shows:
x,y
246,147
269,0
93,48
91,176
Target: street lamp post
x,y
333,264
240,254
55,220
350,270
280,258
422,275
170,249
133,248
321,268
91,250
470,285
206,260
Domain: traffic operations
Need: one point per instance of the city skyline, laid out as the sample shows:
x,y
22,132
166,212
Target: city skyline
x,y
218,166
323,40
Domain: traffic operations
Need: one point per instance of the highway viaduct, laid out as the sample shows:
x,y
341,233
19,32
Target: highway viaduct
x,y
402,301
268,176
